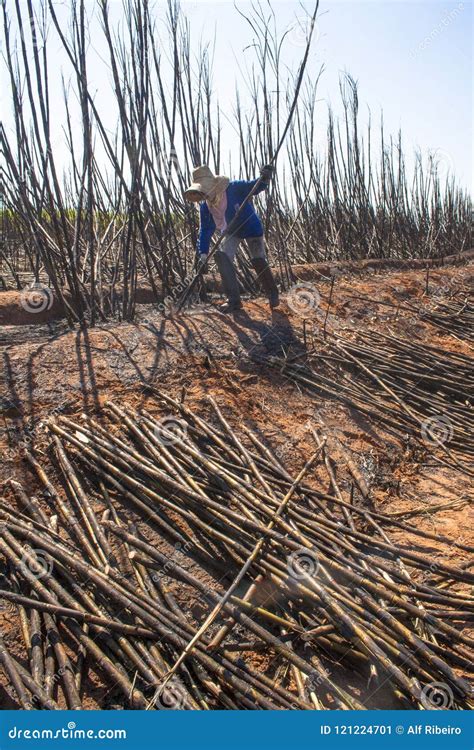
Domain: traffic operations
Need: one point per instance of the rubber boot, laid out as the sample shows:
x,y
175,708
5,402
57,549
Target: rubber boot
x,y
230,283
266,280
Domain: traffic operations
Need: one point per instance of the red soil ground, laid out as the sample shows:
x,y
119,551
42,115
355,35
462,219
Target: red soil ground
x,y
47,367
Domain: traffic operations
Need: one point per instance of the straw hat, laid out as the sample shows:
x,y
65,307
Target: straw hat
x,y
206,183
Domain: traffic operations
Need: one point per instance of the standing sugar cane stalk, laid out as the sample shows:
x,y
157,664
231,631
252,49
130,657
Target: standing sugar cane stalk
x,y
226,205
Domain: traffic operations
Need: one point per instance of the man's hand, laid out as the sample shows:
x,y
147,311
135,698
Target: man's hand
x,y
266,172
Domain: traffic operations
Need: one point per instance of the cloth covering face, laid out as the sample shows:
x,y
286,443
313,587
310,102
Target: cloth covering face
x,y
218,209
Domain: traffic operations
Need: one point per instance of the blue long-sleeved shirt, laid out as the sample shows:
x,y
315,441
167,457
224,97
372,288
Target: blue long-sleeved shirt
x,y
248,224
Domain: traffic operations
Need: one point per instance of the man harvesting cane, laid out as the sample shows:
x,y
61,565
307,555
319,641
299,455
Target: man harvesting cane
x,y
220,200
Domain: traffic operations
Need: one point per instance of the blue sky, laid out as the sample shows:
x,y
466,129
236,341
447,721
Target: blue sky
x,y
411,59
